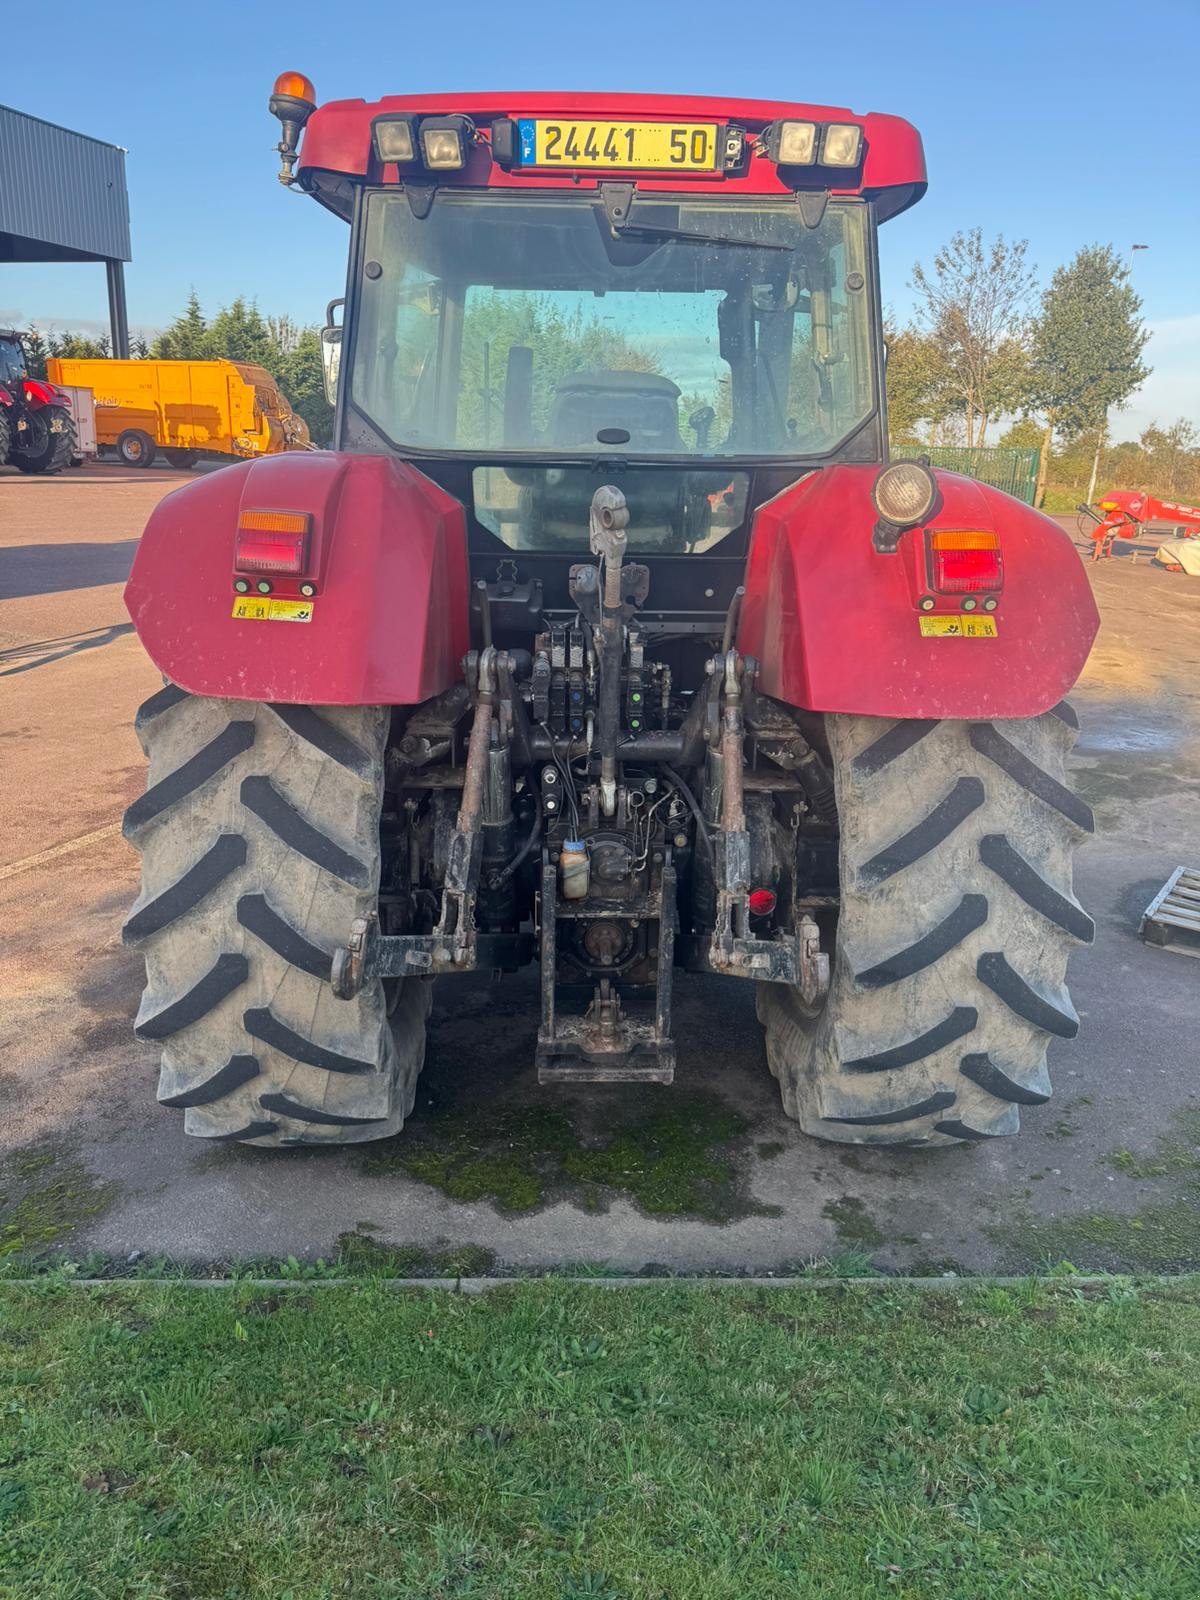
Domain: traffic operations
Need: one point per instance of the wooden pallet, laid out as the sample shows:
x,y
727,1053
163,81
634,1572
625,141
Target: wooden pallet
x,y
1172,919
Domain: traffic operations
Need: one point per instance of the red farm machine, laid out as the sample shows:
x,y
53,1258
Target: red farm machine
x,y
37,432
1129,513
606,638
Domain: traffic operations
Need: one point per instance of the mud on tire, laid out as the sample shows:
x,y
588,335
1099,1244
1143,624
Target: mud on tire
x,y
259,834
956,923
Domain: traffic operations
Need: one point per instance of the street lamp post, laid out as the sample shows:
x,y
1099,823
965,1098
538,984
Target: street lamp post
x,y
1091,494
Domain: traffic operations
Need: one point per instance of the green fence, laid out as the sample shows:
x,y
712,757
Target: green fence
x,y
1014,471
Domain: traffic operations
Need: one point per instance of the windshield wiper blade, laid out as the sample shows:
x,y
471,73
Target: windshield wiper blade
x,y
648,230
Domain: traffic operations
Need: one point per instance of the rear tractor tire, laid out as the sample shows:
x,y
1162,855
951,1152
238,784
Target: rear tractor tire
x,y
5,435
957,919
51,442
259,834
136,449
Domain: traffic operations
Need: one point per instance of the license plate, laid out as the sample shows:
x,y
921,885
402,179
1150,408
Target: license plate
x,y
249,609
670,146
958,627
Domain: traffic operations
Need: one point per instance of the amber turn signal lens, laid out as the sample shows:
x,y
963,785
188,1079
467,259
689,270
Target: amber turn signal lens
x,y
274,521
953,539
296,86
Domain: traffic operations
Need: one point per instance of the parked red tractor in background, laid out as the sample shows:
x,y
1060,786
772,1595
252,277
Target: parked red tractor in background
x,y
606,638
37,433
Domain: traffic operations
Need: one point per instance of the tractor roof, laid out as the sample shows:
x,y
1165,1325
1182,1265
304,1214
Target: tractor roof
x,y
337,140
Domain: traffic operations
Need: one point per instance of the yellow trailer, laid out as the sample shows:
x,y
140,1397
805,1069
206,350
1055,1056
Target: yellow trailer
x,y
184,408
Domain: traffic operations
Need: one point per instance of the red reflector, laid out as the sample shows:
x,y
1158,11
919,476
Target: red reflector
x,y
964,562
272,541
762,902
270,552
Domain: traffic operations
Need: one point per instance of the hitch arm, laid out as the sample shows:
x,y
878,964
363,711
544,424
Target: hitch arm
x,y
451,947
796,958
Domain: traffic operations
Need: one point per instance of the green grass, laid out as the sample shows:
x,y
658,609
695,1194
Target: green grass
x,y
1060,501
550,1440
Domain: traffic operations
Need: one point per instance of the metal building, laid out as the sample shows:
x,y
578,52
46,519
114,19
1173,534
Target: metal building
x,y
63,198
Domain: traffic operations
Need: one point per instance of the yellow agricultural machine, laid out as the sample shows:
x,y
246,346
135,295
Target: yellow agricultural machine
x,y
184,409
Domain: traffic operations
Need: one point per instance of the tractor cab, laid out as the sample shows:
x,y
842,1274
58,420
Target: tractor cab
x,y
13,367
681,296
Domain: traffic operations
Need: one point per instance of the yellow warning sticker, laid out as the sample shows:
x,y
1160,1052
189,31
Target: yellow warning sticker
x,y
260,608
958,627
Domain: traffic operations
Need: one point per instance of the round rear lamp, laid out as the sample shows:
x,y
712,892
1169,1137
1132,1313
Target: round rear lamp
x,y
904,493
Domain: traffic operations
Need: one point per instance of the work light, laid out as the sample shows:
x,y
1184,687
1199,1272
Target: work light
x,y
841,145
444,142
395,139
792,144
904,493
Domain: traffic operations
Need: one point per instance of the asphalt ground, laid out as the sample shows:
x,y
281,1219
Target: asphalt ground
x,y
705,1176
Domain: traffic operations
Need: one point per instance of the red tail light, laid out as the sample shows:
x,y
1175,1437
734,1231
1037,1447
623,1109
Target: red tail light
x,y
272,541
964,562
761,901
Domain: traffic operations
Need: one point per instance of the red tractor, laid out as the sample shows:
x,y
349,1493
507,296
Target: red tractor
x,y
606,638
37,433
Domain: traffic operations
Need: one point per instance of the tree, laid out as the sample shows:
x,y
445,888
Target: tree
x,y
1025,434
239,332
1171,459
916,386
78,347
36,351
187,337
1086,349
974,306
300,376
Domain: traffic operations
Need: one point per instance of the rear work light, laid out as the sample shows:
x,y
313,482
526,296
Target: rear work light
x,y
272,541
445,142
395,139
792,144
964,562
841,145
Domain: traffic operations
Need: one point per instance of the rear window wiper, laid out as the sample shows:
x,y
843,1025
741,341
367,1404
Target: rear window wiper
x,y
649,230
618,202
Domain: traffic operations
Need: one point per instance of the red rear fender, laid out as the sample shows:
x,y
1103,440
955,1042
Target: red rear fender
x,y
386,553
836,625
39,394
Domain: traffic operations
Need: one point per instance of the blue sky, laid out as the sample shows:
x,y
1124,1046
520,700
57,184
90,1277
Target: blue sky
x,y
1063,122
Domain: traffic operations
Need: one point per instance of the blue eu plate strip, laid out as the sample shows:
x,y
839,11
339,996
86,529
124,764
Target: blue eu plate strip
x,y
526,133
